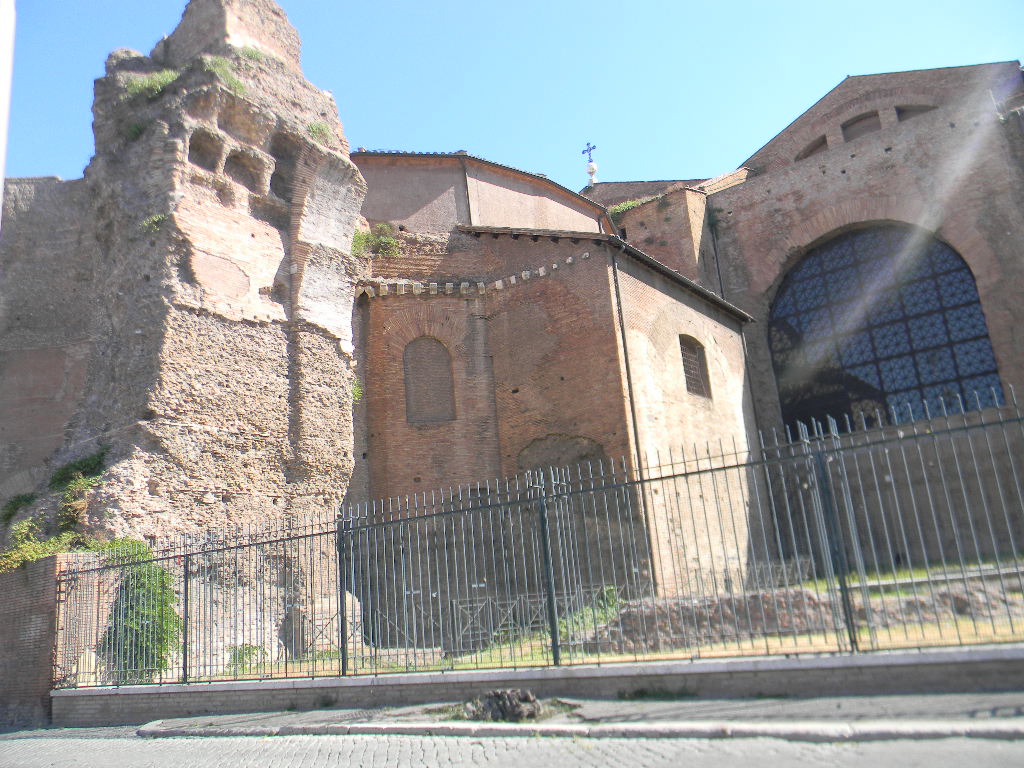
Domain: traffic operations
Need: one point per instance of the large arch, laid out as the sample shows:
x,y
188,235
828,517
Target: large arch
x,y
880,319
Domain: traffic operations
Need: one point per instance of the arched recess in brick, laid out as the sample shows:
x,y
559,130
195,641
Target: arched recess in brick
x,y
429,387
884,322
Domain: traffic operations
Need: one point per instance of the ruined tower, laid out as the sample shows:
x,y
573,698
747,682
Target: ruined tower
x,y
186,307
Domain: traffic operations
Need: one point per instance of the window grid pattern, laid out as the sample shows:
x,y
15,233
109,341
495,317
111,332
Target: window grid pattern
x,y
695,366
881,320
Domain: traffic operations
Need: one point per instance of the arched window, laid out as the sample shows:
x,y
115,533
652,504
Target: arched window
x,y
695,366
882,320
429,393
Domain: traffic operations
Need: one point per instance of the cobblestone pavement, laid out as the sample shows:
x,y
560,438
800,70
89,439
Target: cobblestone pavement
x,y
114,748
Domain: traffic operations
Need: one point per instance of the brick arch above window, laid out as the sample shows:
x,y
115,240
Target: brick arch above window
x,y
429,386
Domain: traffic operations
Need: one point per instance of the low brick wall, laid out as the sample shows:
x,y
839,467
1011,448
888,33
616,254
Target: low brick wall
x,y
28,621
992,668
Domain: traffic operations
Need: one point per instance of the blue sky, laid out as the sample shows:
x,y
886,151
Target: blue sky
x,y
664,88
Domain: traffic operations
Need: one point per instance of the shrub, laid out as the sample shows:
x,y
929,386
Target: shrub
x,y
15,505
320,132
143,627
225,72
380,241
245,658
153,85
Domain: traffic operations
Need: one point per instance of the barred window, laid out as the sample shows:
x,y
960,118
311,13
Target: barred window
x,y
881,322
695,366
429,391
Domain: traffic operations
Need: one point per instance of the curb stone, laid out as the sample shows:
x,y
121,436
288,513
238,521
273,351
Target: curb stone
x,y
812,731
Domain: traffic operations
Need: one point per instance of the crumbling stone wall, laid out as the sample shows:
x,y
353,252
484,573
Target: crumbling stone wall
x,y
204,263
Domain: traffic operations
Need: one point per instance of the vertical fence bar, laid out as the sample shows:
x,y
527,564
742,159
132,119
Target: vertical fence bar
x,y
549,576
185,618
836,547
341,543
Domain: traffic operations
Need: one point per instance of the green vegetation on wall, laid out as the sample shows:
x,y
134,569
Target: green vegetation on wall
x,y
380,241
617,210
72,481
14,505
320,133
151,86
225,72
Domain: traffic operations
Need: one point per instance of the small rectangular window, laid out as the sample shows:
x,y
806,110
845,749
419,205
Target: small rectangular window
x,y
695,366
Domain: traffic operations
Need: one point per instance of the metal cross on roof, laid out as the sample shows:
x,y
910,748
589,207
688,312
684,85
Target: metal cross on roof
x,y
587,152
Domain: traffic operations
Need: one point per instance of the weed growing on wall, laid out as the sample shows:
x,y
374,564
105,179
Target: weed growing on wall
x,y
380,241
225,72
151,86
26,545
252,54
320,133
15,505
143,627
153,224
617,210
357,390
73,481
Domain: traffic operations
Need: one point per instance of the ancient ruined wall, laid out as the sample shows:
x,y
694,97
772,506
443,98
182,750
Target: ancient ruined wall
x,y
704,528
950,171
47,260
216,221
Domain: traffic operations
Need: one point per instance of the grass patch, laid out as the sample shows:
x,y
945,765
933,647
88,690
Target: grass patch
x,y
252,54
320,132
225,72
15,505
153,224
151,86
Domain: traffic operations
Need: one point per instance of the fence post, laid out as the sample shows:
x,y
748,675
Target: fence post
x,y
836,547
341,542
184,611
549,577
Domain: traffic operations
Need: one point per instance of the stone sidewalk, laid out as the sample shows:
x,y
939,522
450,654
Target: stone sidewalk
x,y
855,718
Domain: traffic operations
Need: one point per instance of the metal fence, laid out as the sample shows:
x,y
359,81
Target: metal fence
x,y
837,539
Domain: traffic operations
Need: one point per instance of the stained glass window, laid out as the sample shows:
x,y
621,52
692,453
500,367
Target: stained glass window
x,y
881,321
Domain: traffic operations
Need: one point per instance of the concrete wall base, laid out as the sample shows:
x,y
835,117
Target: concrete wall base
x,y
989,668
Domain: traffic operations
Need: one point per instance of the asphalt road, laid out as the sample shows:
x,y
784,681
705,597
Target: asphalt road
x,y
114,748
